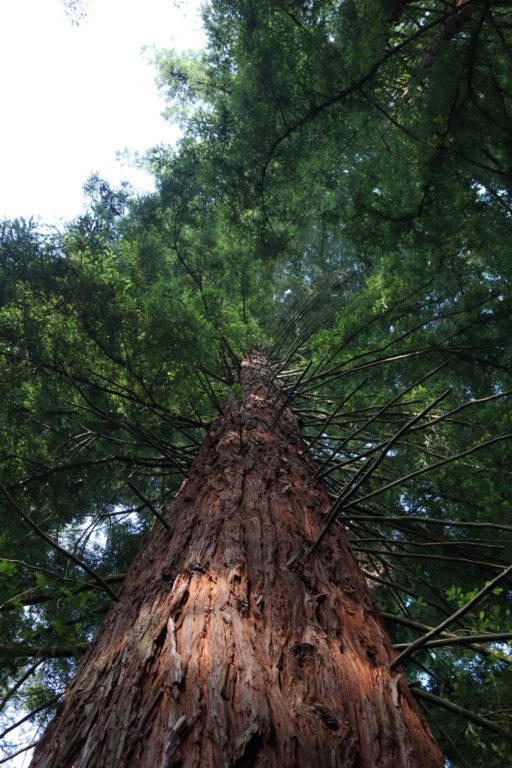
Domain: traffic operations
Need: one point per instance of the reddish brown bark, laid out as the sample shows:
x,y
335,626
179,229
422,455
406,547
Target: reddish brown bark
x,y
221,653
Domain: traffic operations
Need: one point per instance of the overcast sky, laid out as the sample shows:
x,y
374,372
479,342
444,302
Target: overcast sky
x,y
73,96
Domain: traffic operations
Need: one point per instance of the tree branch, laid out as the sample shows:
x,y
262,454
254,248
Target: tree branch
x,y
51,541
421,641
20,651
420,693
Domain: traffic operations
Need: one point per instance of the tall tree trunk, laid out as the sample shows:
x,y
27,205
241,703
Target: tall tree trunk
x,y
222,653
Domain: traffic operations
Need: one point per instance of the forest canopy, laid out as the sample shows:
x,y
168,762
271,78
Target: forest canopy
x,y
340,199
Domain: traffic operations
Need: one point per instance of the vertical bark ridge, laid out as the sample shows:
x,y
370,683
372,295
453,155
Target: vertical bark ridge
x,y
220,652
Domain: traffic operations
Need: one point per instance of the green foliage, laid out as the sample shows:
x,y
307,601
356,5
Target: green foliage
x,y
341,196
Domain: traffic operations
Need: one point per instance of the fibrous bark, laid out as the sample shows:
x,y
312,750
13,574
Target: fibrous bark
x,y
221,650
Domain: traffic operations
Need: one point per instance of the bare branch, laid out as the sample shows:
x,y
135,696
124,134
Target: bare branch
x,y
438,464
20,651
451,619
148,504
467,714
494,637
51,541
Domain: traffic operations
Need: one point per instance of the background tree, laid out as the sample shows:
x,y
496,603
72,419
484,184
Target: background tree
x,y
348,208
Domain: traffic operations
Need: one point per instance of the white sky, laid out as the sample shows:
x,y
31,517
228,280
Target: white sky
x,y
72,96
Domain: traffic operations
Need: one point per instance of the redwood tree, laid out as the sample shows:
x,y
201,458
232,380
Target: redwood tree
x,y
346,209
234,640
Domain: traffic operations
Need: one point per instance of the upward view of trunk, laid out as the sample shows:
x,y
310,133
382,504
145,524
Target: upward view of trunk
x,y
221,651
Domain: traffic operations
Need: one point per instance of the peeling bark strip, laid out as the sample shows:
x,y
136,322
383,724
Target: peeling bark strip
x,y
218,653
